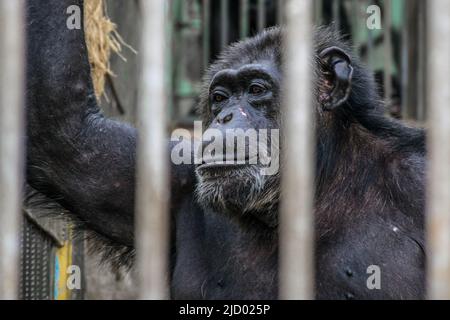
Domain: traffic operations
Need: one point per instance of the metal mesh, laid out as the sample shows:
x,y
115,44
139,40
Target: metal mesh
x,y
36,253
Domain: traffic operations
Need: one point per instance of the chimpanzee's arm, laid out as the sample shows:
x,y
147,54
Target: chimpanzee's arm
x,y
74,154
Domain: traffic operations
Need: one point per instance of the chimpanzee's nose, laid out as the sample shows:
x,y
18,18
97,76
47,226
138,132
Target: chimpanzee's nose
x,y
226,118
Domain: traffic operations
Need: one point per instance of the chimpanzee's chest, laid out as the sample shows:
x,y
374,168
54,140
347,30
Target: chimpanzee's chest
x,y
214,259
372,259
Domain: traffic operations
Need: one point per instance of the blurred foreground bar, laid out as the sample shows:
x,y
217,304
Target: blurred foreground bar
x,y
439,150
11,148
296,272
152,172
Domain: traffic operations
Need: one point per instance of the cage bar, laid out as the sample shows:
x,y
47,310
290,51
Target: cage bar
x,y
405,72
336,13
388,58
318,9
244,21
224,22
11,147
152,171
280,12
438,231
206,32
370,36
421,65
296,222
261,15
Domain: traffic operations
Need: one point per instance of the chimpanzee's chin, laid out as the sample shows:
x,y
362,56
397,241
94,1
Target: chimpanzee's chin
x,y
239,192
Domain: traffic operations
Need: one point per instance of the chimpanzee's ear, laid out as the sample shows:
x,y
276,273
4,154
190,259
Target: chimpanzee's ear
x,y
337,78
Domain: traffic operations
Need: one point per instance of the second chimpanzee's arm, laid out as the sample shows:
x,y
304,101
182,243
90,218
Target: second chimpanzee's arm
x,y
74,154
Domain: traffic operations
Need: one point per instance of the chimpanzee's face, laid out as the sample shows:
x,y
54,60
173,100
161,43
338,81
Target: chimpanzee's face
x,y
244,109
241,97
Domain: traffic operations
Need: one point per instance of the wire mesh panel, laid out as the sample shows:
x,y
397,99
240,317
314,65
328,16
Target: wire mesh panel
x,y
36,261
49,251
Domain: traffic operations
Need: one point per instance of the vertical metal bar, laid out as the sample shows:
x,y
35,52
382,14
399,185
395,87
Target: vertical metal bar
x,y
405,72
152,171
355,12
411,34
206,32
370,42
12,61
261,15
224,22
244,18
296,229
280,12
439,160
387,51
421,65
318,12
336,13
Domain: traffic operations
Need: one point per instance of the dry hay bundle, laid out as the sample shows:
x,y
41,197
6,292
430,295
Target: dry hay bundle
x,y
102,39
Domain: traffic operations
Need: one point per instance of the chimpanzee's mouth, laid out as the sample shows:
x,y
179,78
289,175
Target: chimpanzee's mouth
x,y
224,162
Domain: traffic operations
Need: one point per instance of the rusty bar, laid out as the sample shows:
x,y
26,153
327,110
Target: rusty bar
x,y
438,232
296,225
12,58
152,170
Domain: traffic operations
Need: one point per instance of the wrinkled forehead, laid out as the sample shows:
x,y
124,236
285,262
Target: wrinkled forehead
x,y
266,69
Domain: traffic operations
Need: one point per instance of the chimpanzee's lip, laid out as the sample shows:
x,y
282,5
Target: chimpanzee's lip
x,y
207,166
219,162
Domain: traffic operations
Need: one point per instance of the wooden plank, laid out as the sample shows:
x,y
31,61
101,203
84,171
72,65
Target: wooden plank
x,y
439,148
296,225
11,137
152,173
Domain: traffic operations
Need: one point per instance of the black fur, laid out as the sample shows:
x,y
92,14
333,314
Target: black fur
x,y
370,177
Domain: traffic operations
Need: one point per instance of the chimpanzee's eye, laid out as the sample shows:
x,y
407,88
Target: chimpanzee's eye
x,y
219,97
256,89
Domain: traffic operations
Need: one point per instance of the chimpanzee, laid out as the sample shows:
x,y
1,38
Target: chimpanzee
x,y
369,174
